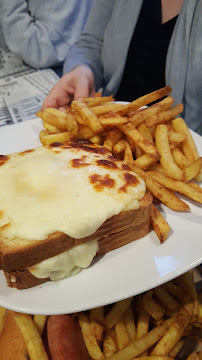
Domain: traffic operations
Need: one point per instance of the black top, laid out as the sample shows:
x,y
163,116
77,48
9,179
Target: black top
x,y
145,64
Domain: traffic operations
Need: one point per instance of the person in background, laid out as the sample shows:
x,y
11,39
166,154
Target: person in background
x,y
130,48
43,31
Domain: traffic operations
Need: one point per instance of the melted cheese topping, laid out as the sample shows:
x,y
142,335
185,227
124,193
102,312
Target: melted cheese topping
x,y
66,264
73,189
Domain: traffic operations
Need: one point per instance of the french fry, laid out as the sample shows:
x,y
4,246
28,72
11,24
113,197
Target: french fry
x,y
89,339
43,133
161,193
199,319
84,132
157,167
144,161
31,337
40,321
142,325
178,186
112,121
88,116
98,100
166,300
137,347
166,158
159,224
176,348
109,346
96,318
128,155
2,317
112,138
192,169
122,337
72,125
79,119
144,100
179,158
97,139
164,116
137,139
188,145
130,323
51,128
51,138
145,131
119,147
151,306
173,334
104,109
140,116
176,137
193,356
174,290
116,312
186,281
55,117
139,152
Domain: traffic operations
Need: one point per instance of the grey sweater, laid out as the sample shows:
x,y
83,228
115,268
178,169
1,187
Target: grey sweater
x,y
105,41
43,31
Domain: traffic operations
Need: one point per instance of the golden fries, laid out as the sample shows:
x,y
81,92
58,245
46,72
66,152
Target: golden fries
x,y
159,224
40,321
89,339
172,336
138,139
134,328
178,186
164,116
31,337
96,318
148,138
116,312
166,160
152,307
2,315
88,116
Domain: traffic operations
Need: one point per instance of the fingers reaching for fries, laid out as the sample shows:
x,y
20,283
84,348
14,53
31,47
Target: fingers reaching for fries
x,y
152,141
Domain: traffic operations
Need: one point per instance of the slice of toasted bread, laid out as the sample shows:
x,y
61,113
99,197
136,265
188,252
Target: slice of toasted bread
x,y
115,232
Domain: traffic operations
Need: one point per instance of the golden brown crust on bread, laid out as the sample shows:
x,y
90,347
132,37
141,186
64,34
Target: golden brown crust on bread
x,y
120,229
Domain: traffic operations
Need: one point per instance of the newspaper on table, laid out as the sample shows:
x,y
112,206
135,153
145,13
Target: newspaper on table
x,y
22,89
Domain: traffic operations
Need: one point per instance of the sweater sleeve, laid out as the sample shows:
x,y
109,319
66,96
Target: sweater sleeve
x,y
43,31
87,51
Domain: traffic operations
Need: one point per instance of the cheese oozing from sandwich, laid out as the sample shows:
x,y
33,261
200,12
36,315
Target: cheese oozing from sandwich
x,y
73,188
69,263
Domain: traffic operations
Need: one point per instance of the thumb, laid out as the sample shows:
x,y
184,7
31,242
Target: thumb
x,y
82,89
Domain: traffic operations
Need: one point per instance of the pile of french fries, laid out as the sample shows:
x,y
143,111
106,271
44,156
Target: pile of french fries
x,y
153,141
151,326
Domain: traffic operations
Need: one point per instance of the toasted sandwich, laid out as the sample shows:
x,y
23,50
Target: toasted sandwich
x,y
63,204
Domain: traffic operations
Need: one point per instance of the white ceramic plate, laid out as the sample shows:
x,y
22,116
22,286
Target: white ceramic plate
x,y
124,272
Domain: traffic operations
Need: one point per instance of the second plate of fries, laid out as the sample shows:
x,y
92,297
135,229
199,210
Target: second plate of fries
x,y
156,143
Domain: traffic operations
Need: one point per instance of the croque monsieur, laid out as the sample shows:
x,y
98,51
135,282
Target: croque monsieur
x,y
63,204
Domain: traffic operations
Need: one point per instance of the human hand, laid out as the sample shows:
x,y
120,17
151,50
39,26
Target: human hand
x,y
77,84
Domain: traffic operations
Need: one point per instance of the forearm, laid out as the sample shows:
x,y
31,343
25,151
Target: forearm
x,y
42,35
88,50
